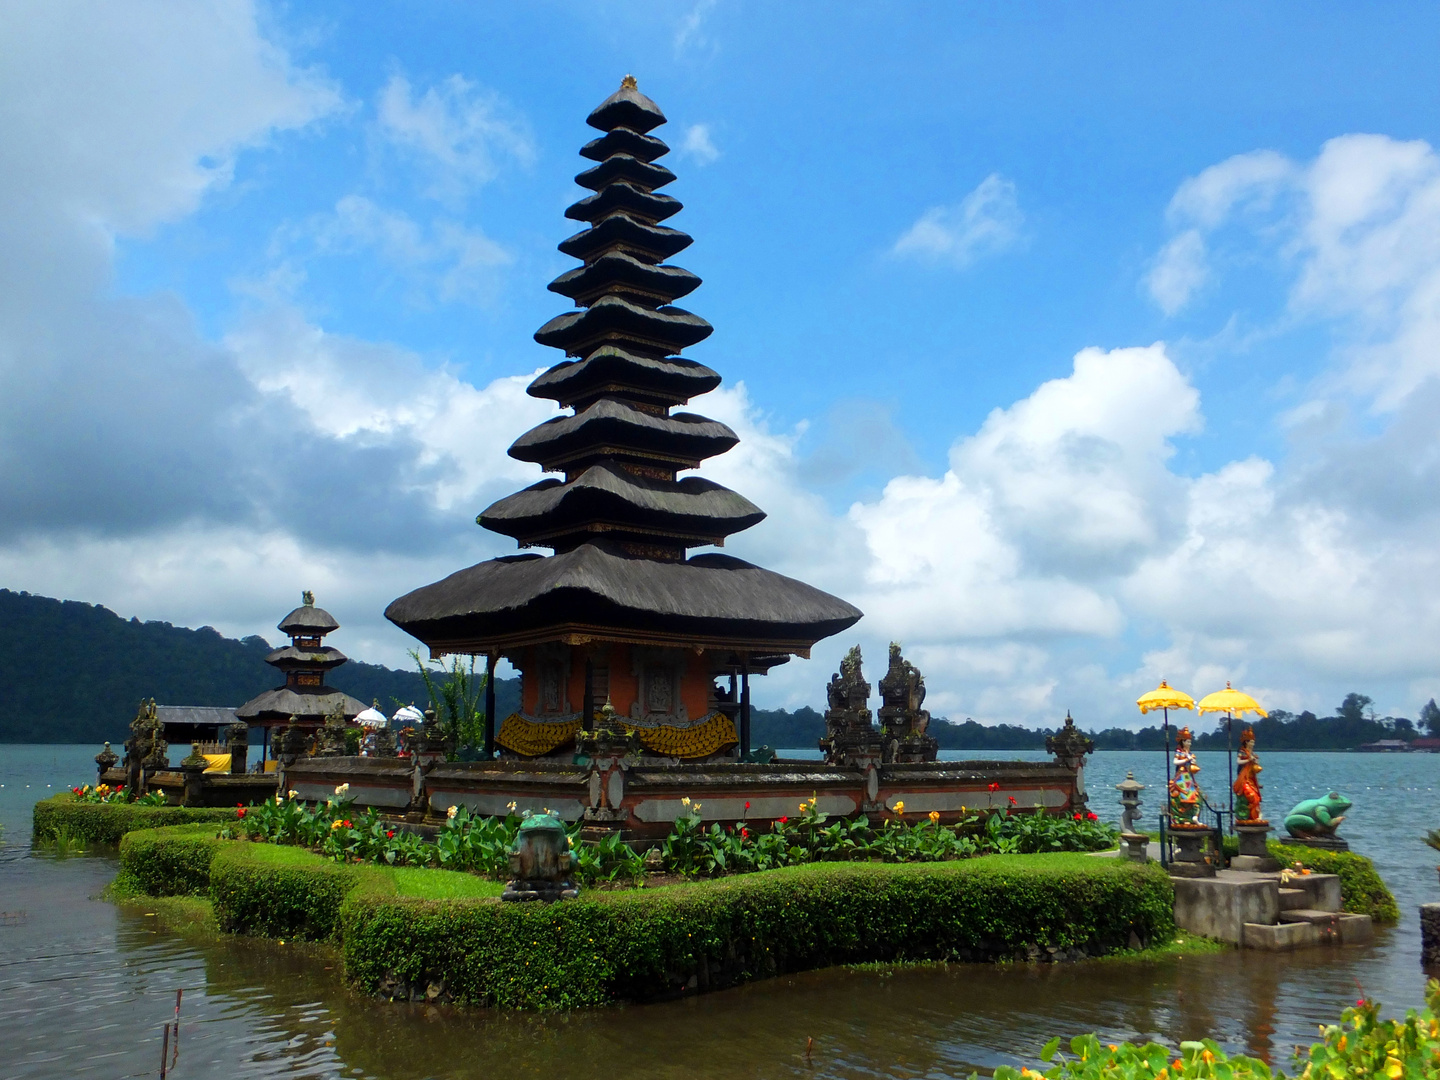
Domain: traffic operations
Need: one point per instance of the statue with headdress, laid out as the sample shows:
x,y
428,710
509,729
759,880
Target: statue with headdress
x,y
1247,782
1185,795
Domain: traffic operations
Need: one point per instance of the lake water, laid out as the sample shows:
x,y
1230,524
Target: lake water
x,y
85,987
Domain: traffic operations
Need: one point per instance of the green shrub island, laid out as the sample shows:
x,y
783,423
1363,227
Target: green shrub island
x,y
1361,1045
75,821
415,933
481,844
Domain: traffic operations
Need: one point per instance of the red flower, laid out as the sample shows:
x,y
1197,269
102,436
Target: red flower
x,y
745,833
747,806
995,786
783,820
1012,800
1077,817
239,811
347,824
1359,1003
1091,817
389,834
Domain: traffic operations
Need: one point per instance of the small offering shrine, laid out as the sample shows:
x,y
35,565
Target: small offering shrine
x,y
303,700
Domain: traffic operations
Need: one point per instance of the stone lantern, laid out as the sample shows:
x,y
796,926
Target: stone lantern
x,y
541,860
1134,844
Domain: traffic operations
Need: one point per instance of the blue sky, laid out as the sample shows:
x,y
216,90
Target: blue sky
x,y
277,269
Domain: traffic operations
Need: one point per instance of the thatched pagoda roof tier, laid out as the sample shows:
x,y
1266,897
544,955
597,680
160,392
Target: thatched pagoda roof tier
x,y
627,108
611,428
621,522
621,232
298,658
309,705
644,283
619,195
673,380
628,168
622,140
599,593
612,319
307,620
606,497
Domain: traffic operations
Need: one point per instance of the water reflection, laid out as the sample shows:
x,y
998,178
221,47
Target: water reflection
x,y
86,988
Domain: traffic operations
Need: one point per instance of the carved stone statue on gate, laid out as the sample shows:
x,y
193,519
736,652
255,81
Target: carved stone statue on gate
x,y
902,720
146,751
850,736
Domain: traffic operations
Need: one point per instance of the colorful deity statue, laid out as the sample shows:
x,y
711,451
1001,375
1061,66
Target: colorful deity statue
x,y
1185,797
1247,783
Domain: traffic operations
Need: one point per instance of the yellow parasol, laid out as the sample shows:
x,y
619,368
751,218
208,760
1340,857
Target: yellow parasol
x,y
1165,697
1230,701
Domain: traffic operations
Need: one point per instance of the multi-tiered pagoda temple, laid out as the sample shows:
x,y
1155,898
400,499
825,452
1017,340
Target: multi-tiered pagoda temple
x,y
304,697
621,612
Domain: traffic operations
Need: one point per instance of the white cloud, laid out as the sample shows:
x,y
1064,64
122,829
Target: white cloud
x,y
689,32
698,145
445,261
457,130
1179,271
987,221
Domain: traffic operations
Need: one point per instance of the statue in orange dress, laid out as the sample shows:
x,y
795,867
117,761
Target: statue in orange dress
x,y
1247,782
1185,797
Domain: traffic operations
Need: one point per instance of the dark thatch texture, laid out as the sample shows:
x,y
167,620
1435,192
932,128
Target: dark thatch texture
x,y
709,596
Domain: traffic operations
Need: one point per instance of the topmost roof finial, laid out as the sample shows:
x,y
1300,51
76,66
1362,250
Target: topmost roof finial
x,y
308,598
629,83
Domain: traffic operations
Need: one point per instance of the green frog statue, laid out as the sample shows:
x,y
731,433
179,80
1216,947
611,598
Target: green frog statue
x,y
1317,818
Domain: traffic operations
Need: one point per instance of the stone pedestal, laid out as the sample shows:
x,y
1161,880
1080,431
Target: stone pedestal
x,y
1189,861
105,761
1135,847
1430,935
1325,843
1254,856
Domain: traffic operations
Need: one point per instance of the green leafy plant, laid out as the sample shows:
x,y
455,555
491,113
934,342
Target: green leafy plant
x,y
456,701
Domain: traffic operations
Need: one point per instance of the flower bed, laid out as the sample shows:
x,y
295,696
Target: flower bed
x,y
481,844
637,944
106,821
1361,1045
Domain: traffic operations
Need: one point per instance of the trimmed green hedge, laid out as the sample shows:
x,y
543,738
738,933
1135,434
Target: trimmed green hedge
x,y
641,944
288,898
635,945
106,823
1362,887
169,862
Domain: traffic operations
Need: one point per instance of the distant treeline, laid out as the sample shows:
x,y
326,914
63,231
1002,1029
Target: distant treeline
x,y
74,673
1354,724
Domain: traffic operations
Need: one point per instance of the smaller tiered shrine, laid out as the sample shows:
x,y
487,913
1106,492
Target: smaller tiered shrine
x,y
304,699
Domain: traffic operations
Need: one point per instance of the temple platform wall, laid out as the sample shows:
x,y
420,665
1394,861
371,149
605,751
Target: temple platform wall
x,y
643,800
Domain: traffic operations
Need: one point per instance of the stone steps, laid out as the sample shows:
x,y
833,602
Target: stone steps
x,y
1290,899
1257,911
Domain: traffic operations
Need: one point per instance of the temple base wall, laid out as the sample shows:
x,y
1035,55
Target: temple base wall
x,y
643,801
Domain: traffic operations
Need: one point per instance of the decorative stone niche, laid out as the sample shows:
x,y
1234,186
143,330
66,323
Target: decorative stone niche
x,y
659,674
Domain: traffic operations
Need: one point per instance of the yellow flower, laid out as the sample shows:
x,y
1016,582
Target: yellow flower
x,y
900,806
934,817
337,824
1393,1068
511,806
292,793
685,800
451,812
342,789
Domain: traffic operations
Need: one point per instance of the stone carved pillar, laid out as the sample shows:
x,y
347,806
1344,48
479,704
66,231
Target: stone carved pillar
x,y
239,743
1070,746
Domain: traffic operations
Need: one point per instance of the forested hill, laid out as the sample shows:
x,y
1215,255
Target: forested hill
x,y
74,673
